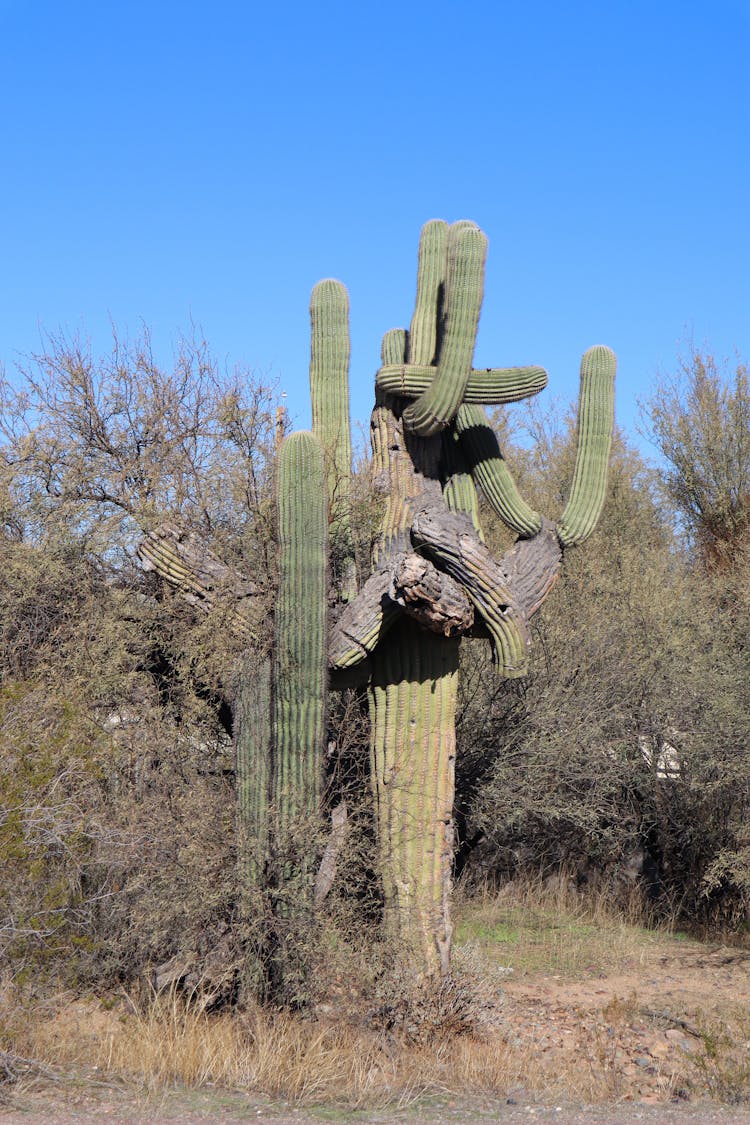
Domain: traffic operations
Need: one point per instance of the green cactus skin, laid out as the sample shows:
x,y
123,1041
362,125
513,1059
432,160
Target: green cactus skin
x,y
413,747
329,393
490,471
431,269
252,741
596,407
434,409
459,491
492,386
412,696
431,447
300,648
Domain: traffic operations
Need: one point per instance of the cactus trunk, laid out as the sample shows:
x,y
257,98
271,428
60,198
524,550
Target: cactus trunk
x,y
299,706
413,742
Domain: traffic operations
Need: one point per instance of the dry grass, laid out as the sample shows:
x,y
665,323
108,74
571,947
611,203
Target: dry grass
x,y
299,1061
548,925
335,1059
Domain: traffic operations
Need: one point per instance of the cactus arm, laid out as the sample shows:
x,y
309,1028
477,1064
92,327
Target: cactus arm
x,y
596,406
186,564
407,583
434,409
491,386
451,542
491,473
431,269
329,394
532,567
363,622
459,492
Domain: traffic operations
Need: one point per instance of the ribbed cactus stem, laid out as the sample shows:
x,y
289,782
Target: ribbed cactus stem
x,y
492,386
413,743
434,409
300,657
252,743
329,393
431,269
459,491
596,407
490,471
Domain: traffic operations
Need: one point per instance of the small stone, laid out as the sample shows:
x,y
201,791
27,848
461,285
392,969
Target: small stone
x,y
679,1039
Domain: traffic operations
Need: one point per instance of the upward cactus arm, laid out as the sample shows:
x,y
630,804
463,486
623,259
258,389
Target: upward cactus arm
x,y
329,379
431,270
596,406
435,408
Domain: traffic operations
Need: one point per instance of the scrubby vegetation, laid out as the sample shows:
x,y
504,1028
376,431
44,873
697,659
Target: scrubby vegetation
x,y
619,765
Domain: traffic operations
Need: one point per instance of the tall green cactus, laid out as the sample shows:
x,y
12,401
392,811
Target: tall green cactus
x,y
300,637
329,393
432,448
299,705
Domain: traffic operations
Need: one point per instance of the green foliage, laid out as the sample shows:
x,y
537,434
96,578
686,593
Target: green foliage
x,y
550,769
699,421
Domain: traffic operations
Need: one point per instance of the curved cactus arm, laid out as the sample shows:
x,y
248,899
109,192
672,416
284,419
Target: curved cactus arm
x,y
596,407
329,394
363,622
450,540
424,331
491,386
406,583
300,648
490,471
464,289
189,566
532,567
459,491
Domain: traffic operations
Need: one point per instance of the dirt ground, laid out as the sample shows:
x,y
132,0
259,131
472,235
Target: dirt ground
x,y
665,1038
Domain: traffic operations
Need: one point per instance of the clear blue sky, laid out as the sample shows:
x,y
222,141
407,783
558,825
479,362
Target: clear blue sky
x,y
172,162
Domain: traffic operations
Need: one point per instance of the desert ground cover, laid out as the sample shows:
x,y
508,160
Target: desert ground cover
x,y
557,1004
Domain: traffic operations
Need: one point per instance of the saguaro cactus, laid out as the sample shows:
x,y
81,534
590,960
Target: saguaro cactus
x,y
432,446
300,633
